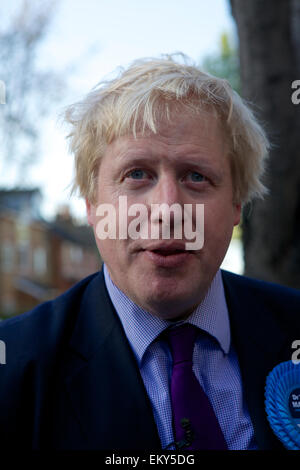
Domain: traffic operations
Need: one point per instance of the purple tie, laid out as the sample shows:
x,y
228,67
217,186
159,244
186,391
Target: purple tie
x,y
195,424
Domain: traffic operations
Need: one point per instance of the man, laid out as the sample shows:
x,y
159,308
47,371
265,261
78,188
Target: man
x,y
107,365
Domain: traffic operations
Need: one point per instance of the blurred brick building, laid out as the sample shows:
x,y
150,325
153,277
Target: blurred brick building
x,y
39,259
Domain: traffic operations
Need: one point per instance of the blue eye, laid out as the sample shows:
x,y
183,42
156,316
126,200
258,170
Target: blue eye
x,y
197,177
136,174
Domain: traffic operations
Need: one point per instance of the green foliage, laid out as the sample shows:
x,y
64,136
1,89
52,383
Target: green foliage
x,y
225,63
237,232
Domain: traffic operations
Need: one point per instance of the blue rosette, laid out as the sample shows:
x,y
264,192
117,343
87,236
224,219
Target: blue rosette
x,y
282,401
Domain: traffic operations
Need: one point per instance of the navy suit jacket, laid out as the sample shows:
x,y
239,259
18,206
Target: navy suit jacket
x,y
71,380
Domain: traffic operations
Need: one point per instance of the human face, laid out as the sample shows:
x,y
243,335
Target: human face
x,y
185,162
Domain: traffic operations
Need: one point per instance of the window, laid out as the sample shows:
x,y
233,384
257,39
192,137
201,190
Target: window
x,y
24,256
7,256
39,261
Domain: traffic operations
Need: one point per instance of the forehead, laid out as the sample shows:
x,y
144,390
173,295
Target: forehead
x,y
182,132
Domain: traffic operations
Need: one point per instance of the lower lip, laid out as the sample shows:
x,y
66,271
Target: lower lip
x,y
169,261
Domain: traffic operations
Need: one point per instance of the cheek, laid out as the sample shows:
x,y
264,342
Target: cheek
x,y
108,252
219,221
111,249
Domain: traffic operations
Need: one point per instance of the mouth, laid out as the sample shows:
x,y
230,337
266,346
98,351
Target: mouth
x,y
168,251
167,256
165,248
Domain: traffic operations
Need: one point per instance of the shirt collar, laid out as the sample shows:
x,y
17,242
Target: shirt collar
x,y
142,328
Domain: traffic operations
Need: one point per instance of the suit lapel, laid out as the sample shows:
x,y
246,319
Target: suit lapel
x,y
103,381
104,385
259,343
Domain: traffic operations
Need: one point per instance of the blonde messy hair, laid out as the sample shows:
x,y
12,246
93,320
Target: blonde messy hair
x,y
141,96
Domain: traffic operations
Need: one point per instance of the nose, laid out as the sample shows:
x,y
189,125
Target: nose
x,y
166,206
166,191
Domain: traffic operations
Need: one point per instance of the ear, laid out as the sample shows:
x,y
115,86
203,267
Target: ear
x,y
237,213
90,212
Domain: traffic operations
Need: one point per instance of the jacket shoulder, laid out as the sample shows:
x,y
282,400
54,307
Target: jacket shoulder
x,y
267,297
259,286
40,329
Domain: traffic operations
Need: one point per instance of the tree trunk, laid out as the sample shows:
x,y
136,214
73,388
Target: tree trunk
x,y
269,38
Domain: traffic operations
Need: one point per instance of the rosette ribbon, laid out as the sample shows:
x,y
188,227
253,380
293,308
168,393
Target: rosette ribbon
x,y
282,401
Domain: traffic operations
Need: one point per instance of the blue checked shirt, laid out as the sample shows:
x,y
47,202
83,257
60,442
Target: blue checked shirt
x,y
215,363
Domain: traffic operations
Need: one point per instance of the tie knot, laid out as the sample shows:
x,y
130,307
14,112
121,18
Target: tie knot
x,y
182,340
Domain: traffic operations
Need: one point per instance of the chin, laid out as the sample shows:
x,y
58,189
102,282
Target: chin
x,y
171,304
